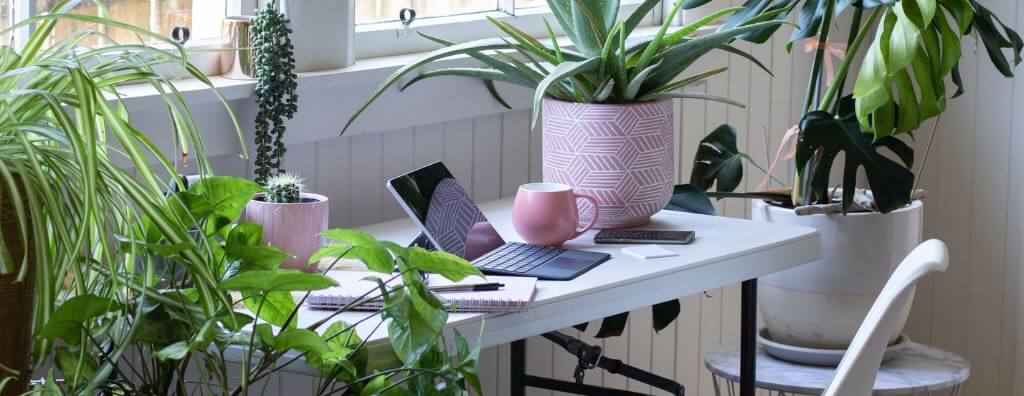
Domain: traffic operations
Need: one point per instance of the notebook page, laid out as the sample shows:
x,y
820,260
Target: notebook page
x,y
515,296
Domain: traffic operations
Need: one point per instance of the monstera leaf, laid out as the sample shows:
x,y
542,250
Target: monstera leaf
x,y
891,182
984,23
718,161
689,198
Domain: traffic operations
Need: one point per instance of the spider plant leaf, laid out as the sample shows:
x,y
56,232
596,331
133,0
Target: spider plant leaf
x,y
678,57
655,44
560,72
690,95
691,80
638,80
458,49
495,94
745,55
474,72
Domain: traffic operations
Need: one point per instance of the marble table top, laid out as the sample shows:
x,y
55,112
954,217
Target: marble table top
x,y
916,368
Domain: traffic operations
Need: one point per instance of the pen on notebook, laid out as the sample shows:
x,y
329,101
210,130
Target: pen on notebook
x,y
470,287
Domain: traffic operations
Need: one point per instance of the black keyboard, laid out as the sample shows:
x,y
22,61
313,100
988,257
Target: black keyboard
x,y
516,258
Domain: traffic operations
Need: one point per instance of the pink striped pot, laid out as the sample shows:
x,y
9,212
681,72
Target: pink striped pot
x,y
292,227
620,154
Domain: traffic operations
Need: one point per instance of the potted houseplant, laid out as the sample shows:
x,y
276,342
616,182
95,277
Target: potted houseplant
x,y
606,104
293,219
900,83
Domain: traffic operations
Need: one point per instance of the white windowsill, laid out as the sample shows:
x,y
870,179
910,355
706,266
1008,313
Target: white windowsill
x,y
370,70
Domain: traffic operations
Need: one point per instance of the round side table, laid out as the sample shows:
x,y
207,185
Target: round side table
x,y
917,369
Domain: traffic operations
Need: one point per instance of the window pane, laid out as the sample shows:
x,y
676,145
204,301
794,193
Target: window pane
x,y
531,3
373,11
158,16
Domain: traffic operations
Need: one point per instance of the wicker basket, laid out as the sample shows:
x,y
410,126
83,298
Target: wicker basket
x,y
17,300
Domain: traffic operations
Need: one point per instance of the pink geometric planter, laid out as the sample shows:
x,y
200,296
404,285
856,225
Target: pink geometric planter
x,y
620,154
292,227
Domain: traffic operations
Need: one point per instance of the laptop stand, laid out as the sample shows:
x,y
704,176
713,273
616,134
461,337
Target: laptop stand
x,y
588,357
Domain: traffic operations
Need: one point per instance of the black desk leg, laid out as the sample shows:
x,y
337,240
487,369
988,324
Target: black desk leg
x,y
748,337
518,374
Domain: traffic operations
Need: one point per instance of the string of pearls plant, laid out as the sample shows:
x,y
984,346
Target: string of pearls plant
x,y
275,87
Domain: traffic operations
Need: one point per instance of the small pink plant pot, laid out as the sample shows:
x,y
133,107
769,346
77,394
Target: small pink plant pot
x,y
547,213
292,227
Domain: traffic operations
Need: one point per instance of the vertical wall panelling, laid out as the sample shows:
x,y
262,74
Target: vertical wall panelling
x,y
334,177
487,158
367,187
515,151
396,159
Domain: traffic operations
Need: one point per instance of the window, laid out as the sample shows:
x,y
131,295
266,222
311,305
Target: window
x,y
379,32
202,17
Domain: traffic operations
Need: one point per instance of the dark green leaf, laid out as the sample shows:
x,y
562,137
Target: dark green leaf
x,y
74,315
891,183
277,280
613,326
75,367
718,161
984,23
445,264
664,314
688,198
256,258
410,332
364,247
274,307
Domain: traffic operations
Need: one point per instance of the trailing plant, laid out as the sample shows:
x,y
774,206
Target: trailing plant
x,y
274,61
603,67
285,188
900,83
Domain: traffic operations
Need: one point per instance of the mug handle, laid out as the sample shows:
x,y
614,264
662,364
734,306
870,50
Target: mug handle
x,y
597,212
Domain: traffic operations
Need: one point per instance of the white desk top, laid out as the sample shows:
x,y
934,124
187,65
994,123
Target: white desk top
x,y
726,251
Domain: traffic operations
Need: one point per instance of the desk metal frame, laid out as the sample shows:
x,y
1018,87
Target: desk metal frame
x,y
748,351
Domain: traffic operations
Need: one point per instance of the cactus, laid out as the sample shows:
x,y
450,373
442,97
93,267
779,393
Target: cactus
x,y
285,188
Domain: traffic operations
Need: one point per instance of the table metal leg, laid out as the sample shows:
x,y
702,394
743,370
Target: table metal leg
x,y
748,337
518,374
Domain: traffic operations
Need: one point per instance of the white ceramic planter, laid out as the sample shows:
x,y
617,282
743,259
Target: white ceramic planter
x,y
292,227
321,33
821,304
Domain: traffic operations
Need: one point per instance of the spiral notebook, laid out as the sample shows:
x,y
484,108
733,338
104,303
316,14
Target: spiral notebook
x,y
515,296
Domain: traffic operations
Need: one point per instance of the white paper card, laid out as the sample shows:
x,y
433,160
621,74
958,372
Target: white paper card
x,y
648,251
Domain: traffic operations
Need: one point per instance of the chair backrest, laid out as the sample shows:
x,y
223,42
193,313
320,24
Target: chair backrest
x,y
856,373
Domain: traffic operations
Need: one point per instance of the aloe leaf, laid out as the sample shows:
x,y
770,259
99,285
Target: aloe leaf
x,y
605,91
589,26
563,13
693,27
745,55
531,44
464,48
475,72
560,72
691,80
638,80
638,15
690,95
495,94
554,41
679,57
655,44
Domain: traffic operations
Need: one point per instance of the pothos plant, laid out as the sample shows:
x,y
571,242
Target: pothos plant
x,y
603,67
255,309
900,83
274,61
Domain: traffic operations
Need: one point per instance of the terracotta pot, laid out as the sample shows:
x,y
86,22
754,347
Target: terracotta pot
x,y
292,227
620,154
17,302
822,304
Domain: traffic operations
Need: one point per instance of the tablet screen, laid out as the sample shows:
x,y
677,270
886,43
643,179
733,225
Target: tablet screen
x,y
448,214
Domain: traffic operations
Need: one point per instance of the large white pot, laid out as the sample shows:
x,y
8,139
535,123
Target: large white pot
x,y
821,304
321,33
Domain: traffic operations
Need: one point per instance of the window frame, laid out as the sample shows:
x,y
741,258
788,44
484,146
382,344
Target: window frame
x,y
390,38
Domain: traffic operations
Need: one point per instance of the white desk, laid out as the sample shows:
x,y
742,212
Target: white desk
x,y
726,251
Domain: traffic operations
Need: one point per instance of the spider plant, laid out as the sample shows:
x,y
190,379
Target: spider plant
x,y
602,66
80,176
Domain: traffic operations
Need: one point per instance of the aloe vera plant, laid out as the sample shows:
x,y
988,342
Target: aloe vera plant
x,y
602,65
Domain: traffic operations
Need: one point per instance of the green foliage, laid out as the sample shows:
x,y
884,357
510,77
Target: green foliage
x,y
601,69
276,82
285,188
718,161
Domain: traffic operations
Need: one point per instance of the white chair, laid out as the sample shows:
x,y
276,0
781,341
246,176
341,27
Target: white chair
x,y
857,372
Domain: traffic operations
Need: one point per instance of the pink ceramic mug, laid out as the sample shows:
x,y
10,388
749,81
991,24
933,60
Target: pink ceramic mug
x,y
547,214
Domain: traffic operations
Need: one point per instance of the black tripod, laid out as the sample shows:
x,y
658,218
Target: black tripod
x,y
588,357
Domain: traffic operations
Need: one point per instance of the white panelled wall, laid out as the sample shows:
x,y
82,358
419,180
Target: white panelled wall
x,y
974,175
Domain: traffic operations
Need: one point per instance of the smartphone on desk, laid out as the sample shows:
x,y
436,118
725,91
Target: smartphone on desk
x,y
644,236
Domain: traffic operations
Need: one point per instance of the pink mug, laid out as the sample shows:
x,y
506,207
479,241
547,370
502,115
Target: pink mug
x,y
547,214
